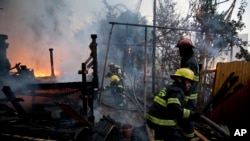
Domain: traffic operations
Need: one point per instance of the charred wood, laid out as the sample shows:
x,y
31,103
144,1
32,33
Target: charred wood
x,y
12,98
227,84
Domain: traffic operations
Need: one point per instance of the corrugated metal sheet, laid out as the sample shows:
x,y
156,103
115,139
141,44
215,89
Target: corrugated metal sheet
x,y
241,69
233,112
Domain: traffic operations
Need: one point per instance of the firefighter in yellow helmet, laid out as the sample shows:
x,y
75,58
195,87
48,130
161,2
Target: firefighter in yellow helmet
x,y
167,109
114,69
117,90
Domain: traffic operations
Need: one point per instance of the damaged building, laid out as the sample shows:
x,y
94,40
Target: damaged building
x,y
41,107
74,110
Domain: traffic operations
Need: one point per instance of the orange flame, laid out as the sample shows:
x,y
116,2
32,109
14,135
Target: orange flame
x,y
40,65
43,73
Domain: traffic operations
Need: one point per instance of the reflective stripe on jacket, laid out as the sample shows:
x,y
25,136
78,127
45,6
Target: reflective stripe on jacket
x,y
191,62
190,97
161,122
167,107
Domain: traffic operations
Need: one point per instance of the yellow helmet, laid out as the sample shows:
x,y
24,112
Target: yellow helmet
x,y
183,73
114,78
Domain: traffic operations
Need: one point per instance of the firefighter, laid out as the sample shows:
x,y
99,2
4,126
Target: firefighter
x,y
114,69
117,90
167,109
188,60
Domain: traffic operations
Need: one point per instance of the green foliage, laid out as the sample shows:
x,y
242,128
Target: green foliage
x,y
166,38
243,54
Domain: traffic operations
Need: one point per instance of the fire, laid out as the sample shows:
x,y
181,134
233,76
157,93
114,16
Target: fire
x,y
37,60
45,73
41,74
213,62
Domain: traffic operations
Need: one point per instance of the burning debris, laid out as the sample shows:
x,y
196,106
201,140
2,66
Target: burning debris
x,y
70,111
56,111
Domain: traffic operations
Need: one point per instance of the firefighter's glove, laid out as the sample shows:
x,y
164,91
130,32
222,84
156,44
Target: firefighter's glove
x,y
196,116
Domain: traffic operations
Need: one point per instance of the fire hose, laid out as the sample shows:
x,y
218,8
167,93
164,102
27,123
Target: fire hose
x,y
215,126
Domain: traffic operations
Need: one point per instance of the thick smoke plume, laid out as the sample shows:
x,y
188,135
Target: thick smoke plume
x,y
34,26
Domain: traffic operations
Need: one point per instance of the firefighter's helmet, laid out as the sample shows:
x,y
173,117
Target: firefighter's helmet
x,y
116,66
183,73
114,78
185,42
110,64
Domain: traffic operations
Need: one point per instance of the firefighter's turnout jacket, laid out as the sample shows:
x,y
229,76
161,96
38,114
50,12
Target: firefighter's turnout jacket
x,y
115,70
187,126
117,90
167,110
191,98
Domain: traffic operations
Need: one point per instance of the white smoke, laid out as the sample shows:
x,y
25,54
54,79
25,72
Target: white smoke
x,y
34,26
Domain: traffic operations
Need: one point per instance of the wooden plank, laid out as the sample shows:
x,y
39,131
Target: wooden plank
x,y
72,112
231,112
150,133
198,134
224,69
12,98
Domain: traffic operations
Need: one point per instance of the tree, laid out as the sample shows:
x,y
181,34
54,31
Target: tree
x,y
243,54
215,33
218,33
124,38
174,27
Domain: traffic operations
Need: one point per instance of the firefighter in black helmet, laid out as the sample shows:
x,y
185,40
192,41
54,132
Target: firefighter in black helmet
x,y
188,60
167,109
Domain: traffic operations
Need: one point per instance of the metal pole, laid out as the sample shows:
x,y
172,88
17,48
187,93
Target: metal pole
x,y
151,26
145,76
51,62
154,47
105,62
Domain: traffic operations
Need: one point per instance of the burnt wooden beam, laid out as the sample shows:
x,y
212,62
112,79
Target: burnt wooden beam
x,y
47,86
215,126
105,129
226,85
12,98
73,113
38,132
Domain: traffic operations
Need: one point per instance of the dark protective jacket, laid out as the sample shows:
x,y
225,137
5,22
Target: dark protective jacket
x,y
117,87
117,90
115,70
191,98
187,126
167,108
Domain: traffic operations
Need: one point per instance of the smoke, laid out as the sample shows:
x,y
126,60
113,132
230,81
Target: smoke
x,y
34,26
